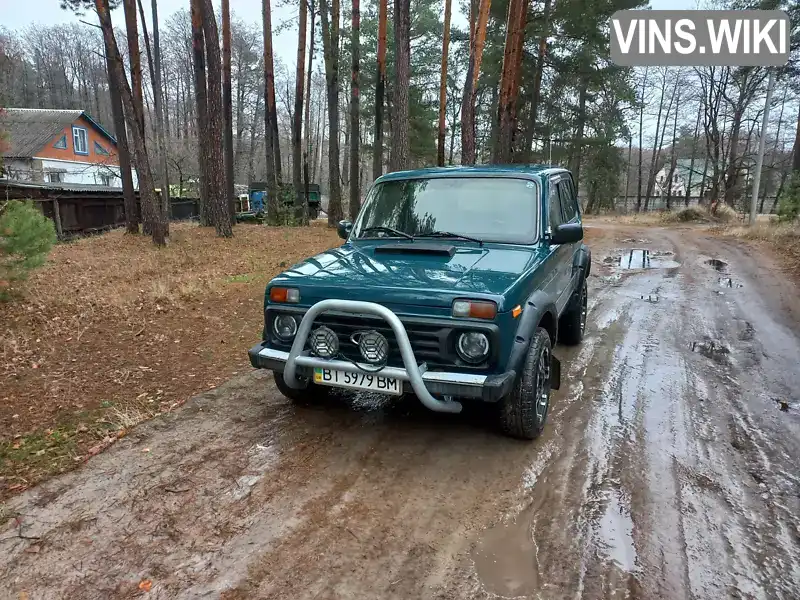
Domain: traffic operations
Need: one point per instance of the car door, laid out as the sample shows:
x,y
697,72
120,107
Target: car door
x,y
570,210
560,254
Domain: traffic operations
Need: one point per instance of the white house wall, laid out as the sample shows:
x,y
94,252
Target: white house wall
x,y
72,171
85,173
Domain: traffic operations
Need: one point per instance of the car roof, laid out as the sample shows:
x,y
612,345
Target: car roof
x,y
473,171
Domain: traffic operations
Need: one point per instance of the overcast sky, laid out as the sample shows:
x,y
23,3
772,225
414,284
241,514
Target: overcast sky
x,y
16,15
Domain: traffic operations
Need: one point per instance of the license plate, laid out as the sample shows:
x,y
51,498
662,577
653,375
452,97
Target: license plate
x,y
358,381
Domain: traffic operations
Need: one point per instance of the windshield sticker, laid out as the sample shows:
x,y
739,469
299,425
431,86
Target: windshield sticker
x,y
530,185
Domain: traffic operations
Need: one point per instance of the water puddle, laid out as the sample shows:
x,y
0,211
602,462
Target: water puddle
x,y
616,534
506,558
642,259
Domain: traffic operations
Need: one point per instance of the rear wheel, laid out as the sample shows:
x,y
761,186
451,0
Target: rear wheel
x,y
523,412
307,395
572,323
313,212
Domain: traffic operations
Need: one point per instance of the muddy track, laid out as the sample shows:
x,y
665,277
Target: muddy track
x,y
669,469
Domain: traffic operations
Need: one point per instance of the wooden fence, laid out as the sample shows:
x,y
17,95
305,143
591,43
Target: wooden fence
x,y
79,209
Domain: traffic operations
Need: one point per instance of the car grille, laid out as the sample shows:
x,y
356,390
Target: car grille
x,y
428,341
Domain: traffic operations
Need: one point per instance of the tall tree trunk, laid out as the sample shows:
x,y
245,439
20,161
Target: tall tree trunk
x,y
123,151
380,87
530,130
509,82
117,78
355,106
271,135
627,176
201,98
253,128
477,42
307,127
220,209
674,155
691,161
330,45
134,58
732,170
774,148
641,148
400,154
443,85
656,144
297,117
796,149
576,148
162,212
227,105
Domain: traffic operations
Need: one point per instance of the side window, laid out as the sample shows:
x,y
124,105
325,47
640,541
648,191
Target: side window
x,y
80,140
567,200
554,202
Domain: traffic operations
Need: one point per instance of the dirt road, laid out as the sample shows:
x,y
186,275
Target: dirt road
x,y
669,469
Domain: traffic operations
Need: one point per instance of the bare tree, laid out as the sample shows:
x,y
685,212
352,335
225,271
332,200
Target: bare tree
x,y
399,158
330,45
380,87
227,105
297,117
272,140
510,81
443,85
355,130
477,41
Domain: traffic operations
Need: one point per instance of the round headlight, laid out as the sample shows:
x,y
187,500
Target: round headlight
x,y
284,326
473,346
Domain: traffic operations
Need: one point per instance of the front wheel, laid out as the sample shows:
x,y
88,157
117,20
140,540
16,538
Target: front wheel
x,y
307,395
523,412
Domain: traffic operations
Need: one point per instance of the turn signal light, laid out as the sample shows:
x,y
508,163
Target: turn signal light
x,y
280,294
477,309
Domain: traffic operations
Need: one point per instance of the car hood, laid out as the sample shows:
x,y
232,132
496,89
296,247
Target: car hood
x,y
492,271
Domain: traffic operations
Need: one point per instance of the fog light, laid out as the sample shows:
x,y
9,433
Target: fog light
x,y
473,346
324,342
284,326
373,345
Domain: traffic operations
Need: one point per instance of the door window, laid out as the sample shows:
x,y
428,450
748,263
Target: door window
x,y
554,202
568,204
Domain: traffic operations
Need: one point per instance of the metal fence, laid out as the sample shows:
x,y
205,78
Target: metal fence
x,y
627,204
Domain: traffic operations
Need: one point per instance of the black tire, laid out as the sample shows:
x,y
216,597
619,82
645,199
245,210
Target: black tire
x,y
313,212
308,395
523,413
572,323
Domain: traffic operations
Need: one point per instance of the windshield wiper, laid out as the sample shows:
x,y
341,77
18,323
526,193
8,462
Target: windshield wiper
x,y
387,230
449,234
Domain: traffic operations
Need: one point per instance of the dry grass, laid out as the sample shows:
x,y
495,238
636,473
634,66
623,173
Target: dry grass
x,y
782,238
113,330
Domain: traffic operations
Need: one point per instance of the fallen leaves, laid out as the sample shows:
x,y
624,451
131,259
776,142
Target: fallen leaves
x,y
145,585
89,337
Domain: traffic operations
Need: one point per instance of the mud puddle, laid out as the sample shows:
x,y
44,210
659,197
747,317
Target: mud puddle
x,y
719,265
641,259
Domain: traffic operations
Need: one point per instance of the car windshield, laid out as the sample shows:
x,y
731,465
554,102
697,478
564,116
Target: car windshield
x,y
491,209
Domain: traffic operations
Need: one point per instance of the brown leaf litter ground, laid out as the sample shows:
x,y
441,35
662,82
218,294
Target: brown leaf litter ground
x,y
113,331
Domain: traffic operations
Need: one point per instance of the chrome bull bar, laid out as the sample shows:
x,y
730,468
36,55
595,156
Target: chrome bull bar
x,y
412,372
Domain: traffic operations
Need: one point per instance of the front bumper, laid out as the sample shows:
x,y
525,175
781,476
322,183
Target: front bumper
x,y
489,388
297,364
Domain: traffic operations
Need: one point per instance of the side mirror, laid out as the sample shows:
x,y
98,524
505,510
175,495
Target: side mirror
x,y
344,228
568,233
